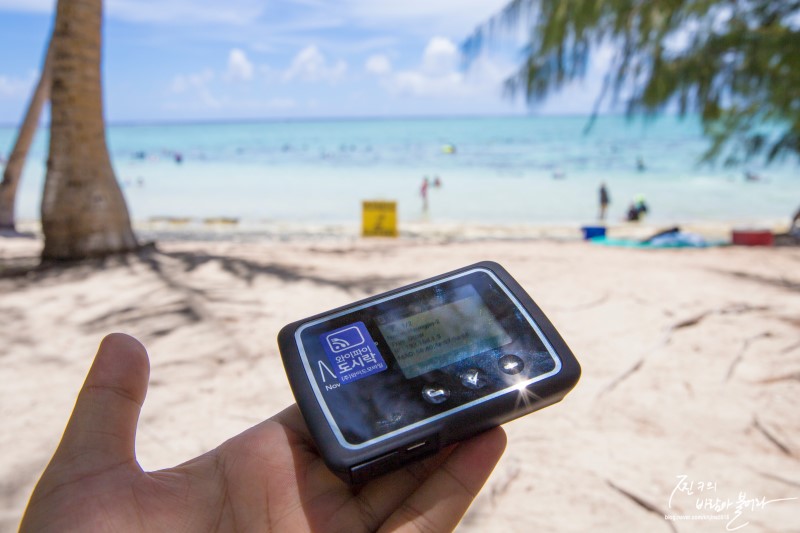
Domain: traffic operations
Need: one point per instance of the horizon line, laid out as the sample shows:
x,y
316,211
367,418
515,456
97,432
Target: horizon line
x,y
368,118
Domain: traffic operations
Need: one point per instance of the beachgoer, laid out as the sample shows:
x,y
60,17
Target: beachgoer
x,y
437,182
641,205
640,166
637,209
423,191
605,199
661,233
269,477
633,213
794,227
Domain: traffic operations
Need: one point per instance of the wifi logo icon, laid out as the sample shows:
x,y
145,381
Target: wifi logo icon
x,y
344,339
351,353
337,344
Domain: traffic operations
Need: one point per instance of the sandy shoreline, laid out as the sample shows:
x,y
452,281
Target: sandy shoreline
x,y
422,229
691,365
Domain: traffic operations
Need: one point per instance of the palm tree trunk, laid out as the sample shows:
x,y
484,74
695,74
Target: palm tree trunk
x,y
83,210
16,161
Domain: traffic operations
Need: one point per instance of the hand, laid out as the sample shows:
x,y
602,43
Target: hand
x,y
269,478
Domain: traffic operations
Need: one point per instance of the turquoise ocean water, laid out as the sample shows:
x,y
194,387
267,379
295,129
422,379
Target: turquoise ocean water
x,y
522,170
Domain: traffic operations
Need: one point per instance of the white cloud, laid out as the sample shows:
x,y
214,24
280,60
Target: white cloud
x,y
444,16
580,96
16,87
440,56
419,84
238,12
239,67
35,6
438,74
196,84
281,103
311,65
185,82
378,64
376,31
450,17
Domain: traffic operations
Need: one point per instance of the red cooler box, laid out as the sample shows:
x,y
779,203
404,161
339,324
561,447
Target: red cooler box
x,y
753,237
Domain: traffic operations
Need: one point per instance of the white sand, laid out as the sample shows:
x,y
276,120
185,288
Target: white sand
x,y
691,366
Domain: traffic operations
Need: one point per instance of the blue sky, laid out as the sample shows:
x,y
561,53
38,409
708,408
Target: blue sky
x,y
168,60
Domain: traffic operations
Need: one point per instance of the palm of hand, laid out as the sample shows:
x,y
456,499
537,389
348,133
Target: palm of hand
x,y
269,478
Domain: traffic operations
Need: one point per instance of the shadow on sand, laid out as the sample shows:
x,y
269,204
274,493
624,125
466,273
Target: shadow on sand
x,y
25,270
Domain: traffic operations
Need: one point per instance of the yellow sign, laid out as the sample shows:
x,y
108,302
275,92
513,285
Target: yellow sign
x,y
379,219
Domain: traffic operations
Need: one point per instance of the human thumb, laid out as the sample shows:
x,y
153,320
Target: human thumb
x,y
102,429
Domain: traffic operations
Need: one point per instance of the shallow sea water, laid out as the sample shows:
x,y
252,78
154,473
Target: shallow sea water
x,y
521,170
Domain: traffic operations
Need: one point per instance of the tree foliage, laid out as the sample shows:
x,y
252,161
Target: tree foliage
x,y
735,63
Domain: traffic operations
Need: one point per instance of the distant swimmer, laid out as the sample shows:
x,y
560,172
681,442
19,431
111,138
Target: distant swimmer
x,y
178,157
559,174
640,166
449,149
752,176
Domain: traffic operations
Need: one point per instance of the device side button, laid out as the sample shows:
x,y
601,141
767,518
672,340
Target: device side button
x,y
417,445
420,449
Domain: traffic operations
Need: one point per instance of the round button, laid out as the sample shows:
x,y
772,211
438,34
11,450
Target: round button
x,y
473,378
435,393
510,364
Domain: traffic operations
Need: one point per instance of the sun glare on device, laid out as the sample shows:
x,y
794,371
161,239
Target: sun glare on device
x,y
526,397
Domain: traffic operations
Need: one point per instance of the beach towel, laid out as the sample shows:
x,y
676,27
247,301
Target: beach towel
x,y
677,239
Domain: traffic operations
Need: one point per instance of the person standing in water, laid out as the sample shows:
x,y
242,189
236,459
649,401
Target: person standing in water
x,y
605,199
423,191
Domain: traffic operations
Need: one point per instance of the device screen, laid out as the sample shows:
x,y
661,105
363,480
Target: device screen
x,y
404,359
442,334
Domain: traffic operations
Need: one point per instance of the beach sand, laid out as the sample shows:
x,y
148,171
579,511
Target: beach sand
x,y
691,366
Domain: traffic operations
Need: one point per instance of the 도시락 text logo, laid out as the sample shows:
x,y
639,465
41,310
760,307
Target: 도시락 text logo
x,y
352,352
